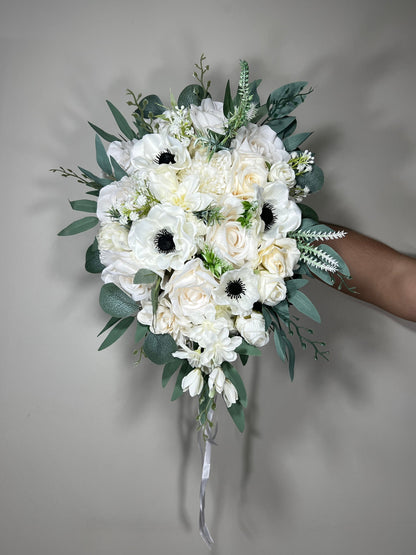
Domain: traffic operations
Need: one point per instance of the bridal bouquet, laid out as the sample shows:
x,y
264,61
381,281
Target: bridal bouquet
x,y
204,242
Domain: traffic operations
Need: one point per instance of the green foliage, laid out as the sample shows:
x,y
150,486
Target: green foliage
x,y
314,179
210,215
118,171
103,134
285,99
214,263
103,160
228,104
150,106
121,121
280,125
246,349
92,259
118,330
200,76
145,276
95,181
192,94
236,411
141,331
235,378
115,302
84,205
177,390
249,211
308,212
169,369
159,347
304,305
293,142
109,325
79,226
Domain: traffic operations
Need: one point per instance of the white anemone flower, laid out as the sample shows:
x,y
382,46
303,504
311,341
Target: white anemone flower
x,y
239,290
279,213
156,149
163,240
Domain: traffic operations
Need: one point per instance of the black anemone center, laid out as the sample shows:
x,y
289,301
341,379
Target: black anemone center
x,y
164,242
268,216
235,289
165,157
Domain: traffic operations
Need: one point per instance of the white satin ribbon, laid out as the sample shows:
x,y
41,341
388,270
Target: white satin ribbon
x,y
206,440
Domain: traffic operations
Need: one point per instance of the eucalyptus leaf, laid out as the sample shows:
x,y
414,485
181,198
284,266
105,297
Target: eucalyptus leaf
x,y
267,316
109,325
177,390
293,142
247,349
159,347
169,369
279,341
192,94
285,99
228,105
79,226
244,359
282,310
235,378
151,104
314,179
324,276
102,159
115,302
84,205
293,284
116,332
291,358
280,124
118,171
92,259
302,303
155,294
103,134
98,181
236,412
308,212
288,130
122,122
145,276
93,193
141,331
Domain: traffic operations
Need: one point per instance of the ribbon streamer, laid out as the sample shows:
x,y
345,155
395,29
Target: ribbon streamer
x,y
206,435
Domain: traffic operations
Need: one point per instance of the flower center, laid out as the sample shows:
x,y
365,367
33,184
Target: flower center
x,y
235,289
268,216
164,242
165,157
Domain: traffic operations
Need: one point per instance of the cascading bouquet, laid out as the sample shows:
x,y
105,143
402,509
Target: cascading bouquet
x,y
204,241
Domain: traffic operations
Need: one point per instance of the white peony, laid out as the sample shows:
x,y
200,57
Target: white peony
x,y
214,174
163,240
190,291
252,329
262,141
113,237
209,115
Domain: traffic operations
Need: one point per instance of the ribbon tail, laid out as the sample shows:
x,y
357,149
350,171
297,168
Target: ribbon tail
x,y
208,436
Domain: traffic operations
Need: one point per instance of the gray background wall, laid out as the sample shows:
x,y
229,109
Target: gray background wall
x,y
92,459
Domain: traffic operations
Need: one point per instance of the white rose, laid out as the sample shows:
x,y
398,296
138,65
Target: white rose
x,y
249,173
279,257
112,195
252,329
281,172
113,237
234,243
190,291
209,115
165,320
120,269
272,288
163,240
260,140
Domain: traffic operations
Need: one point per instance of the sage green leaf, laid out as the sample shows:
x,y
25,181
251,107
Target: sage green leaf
x,y
116,332
308,212
192,94
228,106
314,179
291,358
282,310
92,259
293,284
115,302
235,378
236,412
151,104
280,124
243,358
285,99
122,122
106,136
141,331
159,347
94,193
260,113
155,294
253,91
109,324
343,268
304,305
267,317
102,159
288,130
84,205
79,226
118,171
279,341
246,349
292,143
324,276
205,403
177,390
169,369
99,182
145,276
